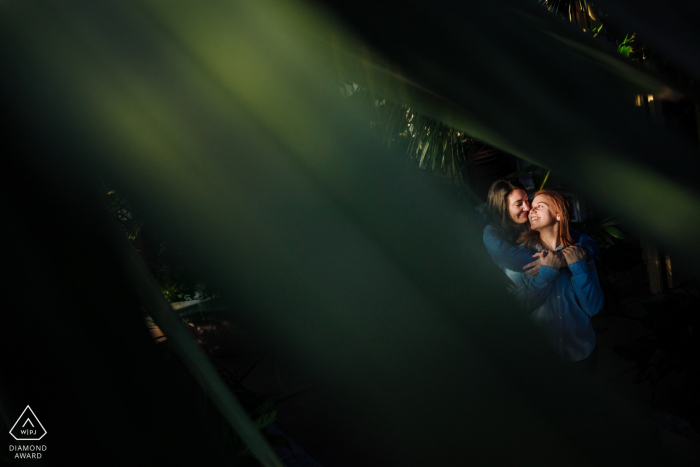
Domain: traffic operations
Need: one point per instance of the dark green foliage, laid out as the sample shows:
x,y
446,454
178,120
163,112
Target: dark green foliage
x,y
177,276
673,344
258,408
607,236
603,231
433,145
594,22
224,112
579,11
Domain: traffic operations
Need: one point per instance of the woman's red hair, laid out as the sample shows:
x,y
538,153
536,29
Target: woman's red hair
x,y
561,206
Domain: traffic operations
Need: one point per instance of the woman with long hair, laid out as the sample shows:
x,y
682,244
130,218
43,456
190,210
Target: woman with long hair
x,y
508,203
508,206
573,294
532,237
520,232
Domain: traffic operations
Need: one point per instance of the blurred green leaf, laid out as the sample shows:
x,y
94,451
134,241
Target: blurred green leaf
x,y
265,419
607,239
226,113
613,231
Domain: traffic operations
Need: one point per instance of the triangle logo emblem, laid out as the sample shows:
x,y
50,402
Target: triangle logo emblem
x,y
28,427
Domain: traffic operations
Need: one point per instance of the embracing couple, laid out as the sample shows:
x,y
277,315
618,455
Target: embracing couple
x,y
560,288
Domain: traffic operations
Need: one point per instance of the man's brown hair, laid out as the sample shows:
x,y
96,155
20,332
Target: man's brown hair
x,y
561,206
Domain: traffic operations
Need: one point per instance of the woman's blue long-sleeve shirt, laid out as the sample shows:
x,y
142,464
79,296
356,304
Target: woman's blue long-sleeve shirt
x,y
567,300
561,302
514,257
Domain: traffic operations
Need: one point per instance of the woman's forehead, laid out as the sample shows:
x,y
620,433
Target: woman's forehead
x,y
541,199
517,195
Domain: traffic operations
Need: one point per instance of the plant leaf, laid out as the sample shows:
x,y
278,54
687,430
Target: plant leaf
x,y
614,232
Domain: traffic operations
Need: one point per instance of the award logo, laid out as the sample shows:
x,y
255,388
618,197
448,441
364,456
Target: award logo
x,y
28,428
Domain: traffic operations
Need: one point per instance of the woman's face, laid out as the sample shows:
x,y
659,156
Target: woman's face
x,y
543,213
518,206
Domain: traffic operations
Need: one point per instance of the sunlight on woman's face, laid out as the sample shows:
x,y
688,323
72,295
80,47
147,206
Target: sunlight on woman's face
x,y
542,213
518,206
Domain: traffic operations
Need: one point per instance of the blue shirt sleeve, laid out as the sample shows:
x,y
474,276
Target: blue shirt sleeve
x,y
586,242
586,287
513,257
533,292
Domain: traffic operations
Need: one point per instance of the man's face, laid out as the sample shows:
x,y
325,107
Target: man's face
x,y
518,206
542,214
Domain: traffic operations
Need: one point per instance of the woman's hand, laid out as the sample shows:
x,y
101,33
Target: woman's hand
x,y
553,259
534,267
573,254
